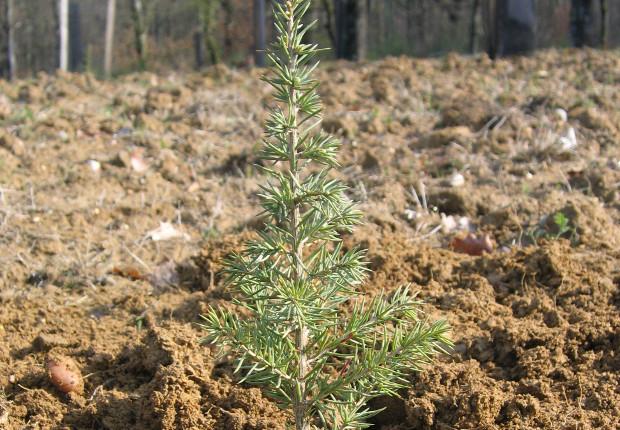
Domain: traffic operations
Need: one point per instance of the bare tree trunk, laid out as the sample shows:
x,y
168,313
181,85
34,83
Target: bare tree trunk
x,y
604,24
9,30
109,37
76,50
229,22
63,24
314,17
199,49
379,11
339,17
4,31
352,29
412,24
346,28
208,26
259,33
362,29
582,23
491,19
473,27
328,6
140,32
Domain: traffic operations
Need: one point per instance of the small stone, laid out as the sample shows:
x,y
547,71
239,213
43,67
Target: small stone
x,y
561,114
94,165
457,180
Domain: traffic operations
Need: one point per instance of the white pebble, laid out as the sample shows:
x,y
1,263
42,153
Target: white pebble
x,y
457,180
94,165
561,114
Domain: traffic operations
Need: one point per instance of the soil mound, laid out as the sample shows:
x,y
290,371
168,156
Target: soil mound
x,y
160,172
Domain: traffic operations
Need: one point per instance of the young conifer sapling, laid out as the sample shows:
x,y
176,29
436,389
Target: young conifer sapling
x,y
296,280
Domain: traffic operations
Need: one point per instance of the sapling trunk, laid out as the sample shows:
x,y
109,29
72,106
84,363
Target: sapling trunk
x,y
301,333
295,279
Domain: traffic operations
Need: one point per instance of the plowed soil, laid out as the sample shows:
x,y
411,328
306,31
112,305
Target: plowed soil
x,y
89,169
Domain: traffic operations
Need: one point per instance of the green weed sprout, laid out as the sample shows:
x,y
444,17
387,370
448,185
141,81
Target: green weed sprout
x,y
562,223
296,280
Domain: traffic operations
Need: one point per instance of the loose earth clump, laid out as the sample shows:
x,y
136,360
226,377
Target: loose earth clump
x,y
90,169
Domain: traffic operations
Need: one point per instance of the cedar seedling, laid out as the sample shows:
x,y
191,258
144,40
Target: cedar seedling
x,y
315,344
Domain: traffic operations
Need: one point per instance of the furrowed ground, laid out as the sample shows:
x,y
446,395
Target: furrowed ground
x,y
119,199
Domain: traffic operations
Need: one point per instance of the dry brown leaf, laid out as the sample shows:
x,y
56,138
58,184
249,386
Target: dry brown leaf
x,y
473,245
129,272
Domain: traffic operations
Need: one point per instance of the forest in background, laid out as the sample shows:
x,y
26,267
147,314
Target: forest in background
x,y
164,35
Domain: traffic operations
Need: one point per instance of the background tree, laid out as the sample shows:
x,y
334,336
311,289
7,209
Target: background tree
x,y
228,12
582,23
109,37
76,44
63,31
510,27
260,34
140,31
142,14
11,44
363,7
395,27
208,11
330,27
351,18
8,64
474,26
604,23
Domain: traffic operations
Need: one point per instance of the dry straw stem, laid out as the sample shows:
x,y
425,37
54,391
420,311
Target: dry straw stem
x,y
4,408
295,280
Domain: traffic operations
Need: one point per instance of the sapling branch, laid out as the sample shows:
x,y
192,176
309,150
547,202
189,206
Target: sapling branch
x,y
296,281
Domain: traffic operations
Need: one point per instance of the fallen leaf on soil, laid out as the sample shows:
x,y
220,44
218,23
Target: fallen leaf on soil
x,y
128,272
166,231
473,245
65,375
569,141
